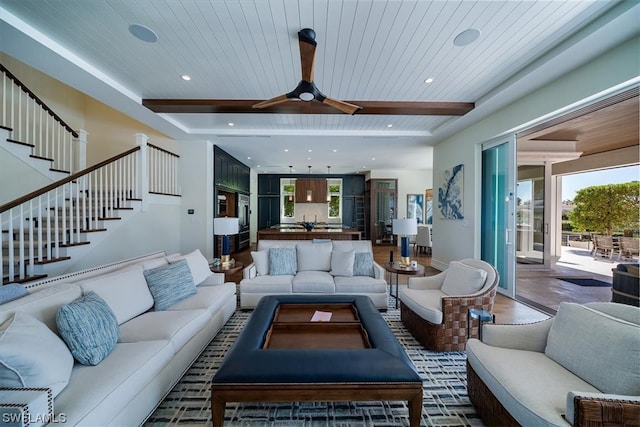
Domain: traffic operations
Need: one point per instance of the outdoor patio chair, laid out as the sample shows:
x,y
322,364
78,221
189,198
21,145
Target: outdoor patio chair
x,y
604,245
629,246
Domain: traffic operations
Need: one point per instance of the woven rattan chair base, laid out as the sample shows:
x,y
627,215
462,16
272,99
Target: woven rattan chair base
x,y
436,337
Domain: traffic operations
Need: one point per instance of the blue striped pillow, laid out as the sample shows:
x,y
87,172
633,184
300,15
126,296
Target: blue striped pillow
x,y
363,264
282,261
170,284
89,328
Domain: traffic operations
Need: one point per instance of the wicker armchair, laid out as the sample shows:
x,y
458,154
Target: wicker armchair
x,y
439,321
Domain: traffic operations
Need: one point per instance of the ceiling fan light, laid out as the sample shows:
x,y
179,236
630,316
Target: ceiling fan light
x,y
306,96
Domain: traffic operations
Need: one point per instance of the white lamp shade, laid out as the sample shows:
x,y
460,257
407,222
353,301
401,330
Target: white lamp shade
x,y
225,226
406,227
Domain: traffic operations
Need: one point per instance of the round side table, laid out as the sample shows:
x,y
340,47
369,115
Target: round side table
x,y
227,270
397,268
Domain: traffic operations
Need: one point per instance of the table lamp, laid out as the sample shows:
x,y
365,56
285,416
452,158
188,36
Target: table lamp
x,y
225,227
405,228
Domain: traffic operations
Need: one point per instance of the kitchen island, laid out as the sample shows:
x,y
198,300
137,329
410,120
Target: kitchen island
x,y
298,233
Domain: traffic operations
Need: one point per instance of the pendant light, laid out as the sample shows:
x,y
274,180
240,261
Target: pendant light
x,y
290,198
328,192
309,192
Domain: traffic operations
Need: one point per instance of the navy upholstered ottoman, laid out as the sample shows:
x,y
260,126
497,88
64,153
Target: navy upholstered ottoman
x,y
284,356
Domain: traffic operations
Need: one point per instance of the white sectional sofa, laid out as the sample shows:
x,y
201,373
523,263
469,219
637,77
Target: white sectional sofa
x,y
283,267
152,352
581,367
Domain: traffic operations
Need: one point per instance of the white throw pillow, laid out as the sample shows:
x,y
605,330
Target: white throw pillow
x,y
461,279
31,355
261,260
198,265
314,256
125,292
342,263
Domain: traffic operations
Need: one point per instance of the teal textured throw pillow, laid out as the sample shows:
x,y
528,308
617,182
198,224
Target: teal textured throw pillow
x,y
282,261
89,328
363,264
170,284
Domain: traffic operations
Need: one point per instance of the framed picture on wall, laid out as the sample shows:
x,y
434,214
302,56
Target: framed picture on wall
x,y
415,207
450,193
428,206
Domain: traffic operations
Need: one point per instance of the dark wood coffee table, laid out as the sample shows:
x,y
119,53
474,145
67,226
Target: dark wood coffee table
x,y
281,356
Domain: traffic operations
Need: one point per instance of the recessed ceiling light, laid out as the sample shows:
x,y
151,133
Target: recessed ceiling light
x,y
144,33
257,166
308,158
429,80
185,77
335,151
389,125
373,158
231,124
466,37
248,158
286,150
309,150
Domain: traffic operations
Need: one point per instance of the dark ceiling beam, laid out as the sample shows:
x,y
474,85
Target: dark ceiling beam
x,y
243,106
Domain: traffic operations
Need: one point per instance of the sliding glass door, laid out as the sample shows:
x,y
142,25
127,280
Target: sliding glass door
x,y
498,216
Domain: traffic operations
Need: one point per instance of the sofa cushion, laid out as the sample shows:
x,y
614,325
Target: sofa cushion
x,y
600,349
198,265
12,291
359,284
176,326
153,263
461,279
342,263
282,261
96,393
210,298
31,355
170,284
267,284
89,328
125,291
43,304
426,303
363,264
261,260
528,384
313,282
314,256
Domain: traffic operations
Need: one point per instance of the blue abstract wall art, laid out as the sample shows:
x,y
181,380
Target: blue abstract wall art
x,y
450,193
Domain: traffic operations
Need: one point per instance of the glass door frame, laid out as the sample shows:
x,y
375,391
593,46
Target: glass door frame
x,y
549,209
508,270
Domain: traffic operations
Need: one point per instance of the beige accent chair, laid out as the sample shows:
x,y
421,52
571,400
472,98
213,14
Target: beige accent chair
x,y
434,308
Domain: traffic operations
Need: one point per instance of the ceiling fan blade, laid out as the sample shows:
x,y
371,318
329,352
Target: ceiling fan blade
x,y
345,107
307,42
273,101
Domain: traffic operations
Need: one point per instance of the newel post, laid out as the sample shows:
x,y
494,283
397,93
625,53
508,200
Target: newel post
x,y
143,172
80,161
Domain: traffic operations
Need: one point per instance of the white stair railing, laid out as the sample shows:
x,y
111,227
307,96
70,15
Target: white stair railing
x,y
37,228
163,171
33,123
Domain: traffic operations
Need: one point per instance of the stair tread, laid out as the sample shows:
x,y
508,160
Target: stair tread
x,y
5,280
15,141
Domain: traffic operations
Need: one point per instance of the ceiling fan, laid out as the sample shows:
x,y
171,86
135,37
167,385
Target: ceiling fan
x,y
307,89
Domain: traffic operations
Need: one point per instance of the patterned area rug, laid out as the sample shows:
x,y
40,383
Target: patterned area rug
x,y
445,400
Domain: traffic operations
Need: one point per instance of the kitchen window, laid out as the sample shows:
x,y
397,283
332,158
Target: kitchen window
x,y
334,197
287,202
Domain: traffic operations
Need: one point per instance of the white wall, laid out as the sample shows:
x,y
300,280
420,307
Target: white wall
x,y
196,178
147,232
460,239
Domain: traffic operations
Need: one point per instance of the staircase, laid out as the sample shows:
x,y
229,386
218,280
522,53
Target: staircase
x,y
54,223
